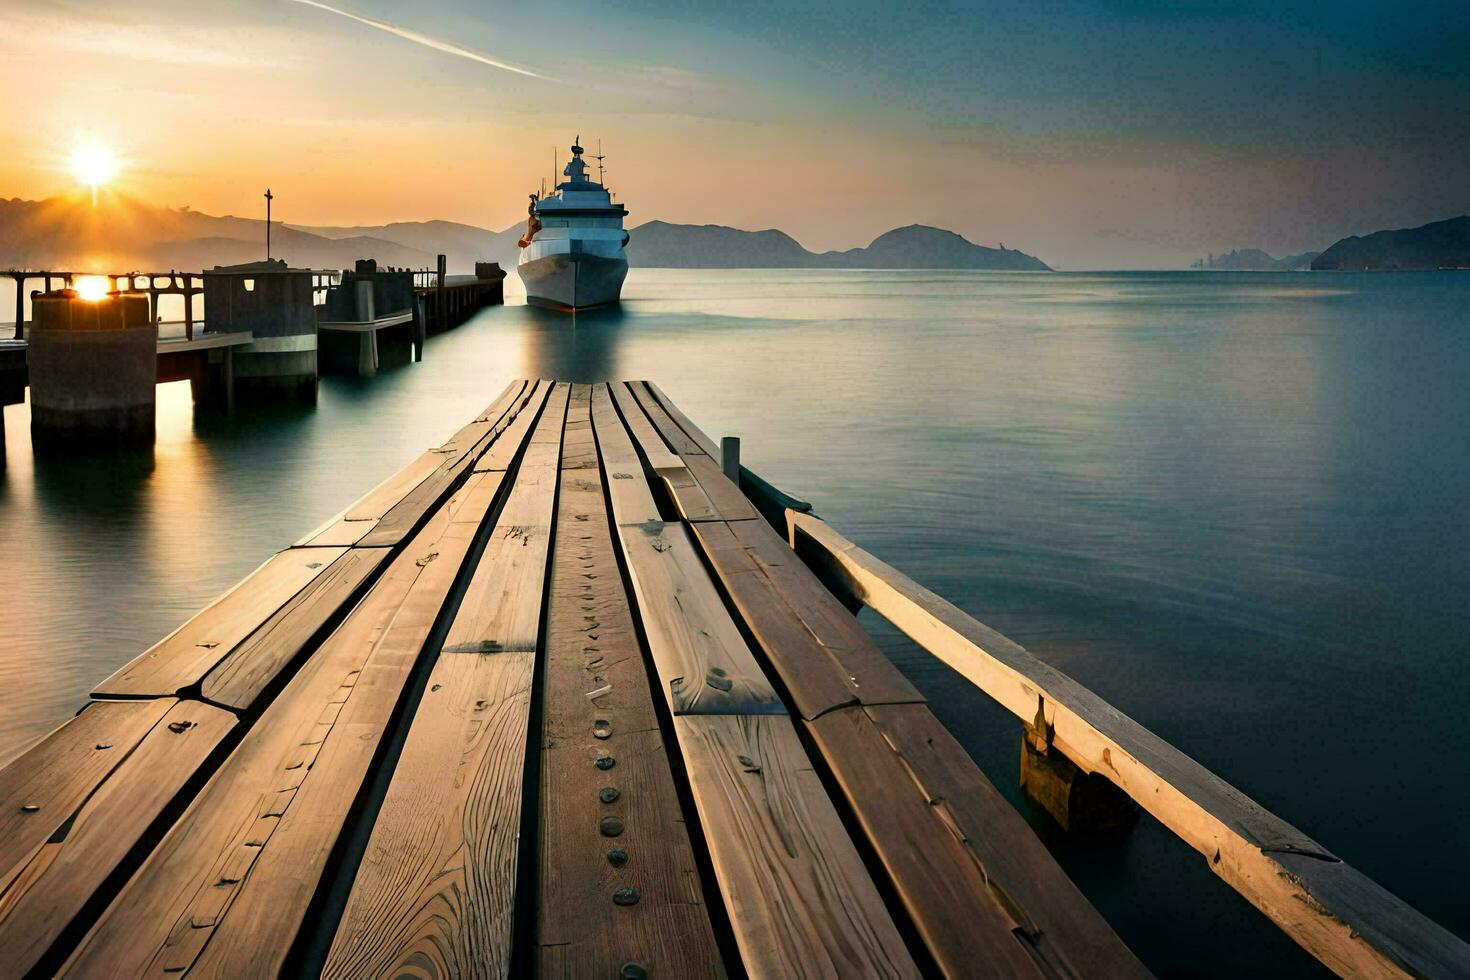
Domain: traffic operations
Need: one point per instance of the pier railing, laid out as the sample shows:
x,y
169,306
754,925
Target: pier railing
x,y
1347,921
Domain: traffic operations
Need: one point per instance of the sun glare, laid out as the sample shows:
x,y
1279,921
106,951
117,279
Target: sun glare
x,y
92,288
93,164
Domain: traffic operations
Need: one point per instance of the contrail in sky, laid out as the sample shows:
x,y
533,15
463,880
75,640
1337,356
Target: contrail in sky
x,y
427,41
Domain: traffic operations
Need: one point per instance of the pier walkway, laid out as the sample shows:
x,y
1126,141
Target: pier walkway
x,y
557,699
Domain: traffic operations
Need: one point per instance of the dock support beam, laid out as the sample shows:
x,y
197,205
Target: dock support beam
x,y
730,458
1084,803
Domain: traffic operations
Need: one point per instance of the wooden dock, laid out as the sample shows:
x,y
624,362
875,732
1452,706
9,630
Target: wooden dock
x,y
559,698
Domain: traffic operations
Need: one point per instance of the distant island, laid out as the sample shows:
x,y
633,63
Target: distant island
x,y
1254,260
64,232
1437,245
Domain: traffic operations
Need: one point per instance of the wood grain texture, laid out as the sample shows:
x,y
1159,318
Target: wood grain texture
x,y
1244,843
799,899
714,497
632,501
354,524
598,704
42,788
688,496
502,452
434,894
435,891
704,666
50,889
980,887
224,893
182,658
254,664
677,428
823,656
697,436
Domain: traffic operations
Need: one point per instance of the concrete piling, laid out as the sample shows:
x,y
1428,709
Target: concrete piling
x,y
274,302
93,370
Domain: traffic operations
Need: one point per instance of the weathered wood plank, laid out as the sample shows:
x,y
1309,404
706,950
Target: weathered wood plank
x,y
979,886
693,503
457,461
435,891
1245,844
700,440
502,452
50,889
182,658
354,524
712,496
632,501
687,440
254,664
42,788
799,899
598,705
704,666
823,656
225,891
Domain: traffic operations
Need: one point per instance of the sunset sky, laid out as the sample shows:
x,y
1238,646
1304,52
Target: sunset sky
x,y
1091,134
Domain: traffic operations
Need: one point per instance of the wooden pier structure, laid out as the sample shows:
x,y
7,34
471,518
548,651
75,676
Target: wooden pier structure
x,y
562,698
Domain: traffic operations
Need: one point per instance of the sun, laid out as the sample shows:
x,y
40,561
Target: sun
x,y
92,288
93,164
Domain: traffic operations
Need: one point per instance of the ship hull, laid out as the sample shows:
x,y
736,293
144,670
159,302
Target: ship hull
x,y
573,280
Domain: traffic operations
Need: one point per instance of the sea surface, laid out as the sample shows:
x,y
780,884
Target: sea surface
x,y
1237,506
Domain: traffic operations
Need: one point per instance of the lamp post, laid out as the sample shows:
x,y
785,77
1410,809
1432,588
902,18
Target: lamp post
x,y
267,224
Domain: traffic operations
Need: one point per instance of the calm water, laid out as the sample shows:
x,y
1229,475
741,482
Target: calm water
x,y
1234,505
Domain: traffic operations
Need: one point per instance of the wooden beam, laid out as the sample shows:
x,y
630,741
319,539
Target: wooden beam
x,y
699,488
799,899
686,437
978,884
42,788
598,706
50,890
436,887
824,658
253,664
182,658
703,664
226,890
693,503
502,453
1349,923
632,501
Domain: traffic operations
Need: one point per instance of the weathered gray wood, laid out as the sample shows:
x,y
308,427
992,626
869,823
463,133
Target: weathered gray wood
x,y
494,440
42,788
255,662
824,658
598,705
182,658
693,503
632,501
1368,932
979,886
703,664
699,488
684,435
435,890
800,901
225,892
51,888
503,450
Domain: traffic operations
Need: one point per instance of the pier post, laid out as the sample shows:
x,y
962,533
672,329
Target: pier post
x,y
20,307
420,327
730,458
1085,803
93,370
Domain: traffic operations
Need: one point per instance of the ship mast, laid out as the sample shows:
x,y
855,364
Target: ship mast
x,y
601,179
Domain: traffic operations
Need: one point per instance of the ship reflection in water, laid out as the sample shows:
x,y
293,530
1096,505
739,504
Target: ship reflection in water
x,y
1200,495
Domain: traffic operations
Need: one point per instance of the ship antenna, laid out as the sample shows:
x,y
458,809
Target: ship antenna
x,y
601,178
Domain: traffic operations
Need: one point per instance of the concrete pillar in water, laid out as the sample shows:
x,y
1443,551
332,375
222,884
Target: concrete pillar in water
x,y
93,370
273,302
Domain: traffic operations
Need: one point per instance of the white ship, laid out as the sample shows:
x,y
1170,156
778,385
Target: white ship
x,y
572,253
